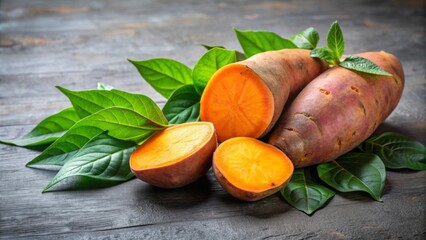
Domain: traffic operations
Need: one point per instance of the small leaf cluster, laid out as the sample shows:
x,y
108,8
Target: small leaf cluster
x,y
334,52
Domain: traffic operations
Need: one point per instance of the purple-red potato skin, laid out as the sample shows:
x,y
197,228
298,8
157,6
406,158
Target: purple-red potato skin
x,y
337,111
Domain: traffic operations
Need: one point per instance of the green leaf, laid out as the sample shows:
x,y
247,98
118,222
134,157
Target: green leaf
x,y
355,172
209,47
103,86
47,131
208,64
308,39
103,161
164,75
183,106
335,41
254,42
363,65
397,151
121,123
88,102
304,193
239,55
324,54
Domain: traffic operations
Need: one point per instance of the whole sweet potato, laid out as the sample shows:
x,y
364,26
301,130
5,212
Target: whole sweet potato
x,y
337,111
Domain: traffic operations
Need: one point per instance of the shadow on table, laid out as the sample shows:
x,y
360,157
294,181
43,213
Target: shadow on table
x,y
262,209
179,198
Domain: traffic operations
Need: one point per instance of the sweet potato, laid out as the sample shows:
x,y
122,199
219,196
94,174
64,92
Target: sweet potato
x,y
247,98
249,169
337,111
175,156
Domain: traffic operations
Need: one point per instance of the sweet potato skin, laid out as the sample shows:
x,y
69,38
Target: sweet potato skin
x,y
286,72
337,111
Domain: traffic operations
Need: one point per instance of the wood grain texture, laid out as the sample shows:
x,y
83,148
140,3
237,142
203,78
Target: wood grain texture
x,y
76,44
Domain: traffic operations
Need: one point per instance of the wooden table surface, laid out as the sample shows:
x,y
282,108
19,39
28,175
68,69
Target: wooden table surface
x,y
76,44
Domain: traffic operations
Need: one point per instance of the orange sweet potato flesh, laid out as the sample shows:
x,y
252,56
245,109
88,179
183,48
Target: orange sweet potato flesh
x,y
247,98
175,156
249,169
337,111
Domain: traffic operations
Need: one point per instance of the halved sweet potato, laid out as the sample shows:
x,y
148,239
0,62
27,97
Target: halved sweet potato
x,y
249,169
175,156
246,98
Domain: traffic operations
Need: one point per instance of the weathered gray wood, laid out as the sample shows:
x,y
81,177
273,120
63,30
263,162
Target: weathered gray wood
x,y
77,44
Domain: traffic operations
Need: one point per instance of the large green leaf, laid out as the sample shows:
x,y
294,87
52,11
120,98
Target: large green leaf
x,y
254,42
121,123
397,151
307,39
91,101
335,41
183,105
355,172
304,193
361,64
208,64
164,75
103,161
47,131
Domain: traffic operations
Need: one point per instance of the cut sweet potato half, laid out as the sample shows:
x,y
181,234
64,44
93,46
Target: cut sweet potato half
x,y
239,102
249,169
245,99
175,156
